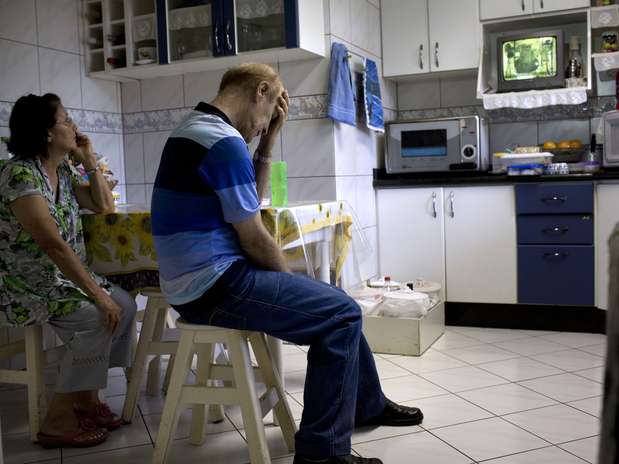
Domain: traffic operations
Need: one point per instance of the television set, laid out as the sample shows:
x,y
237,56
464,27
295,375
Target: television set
x,y
530,60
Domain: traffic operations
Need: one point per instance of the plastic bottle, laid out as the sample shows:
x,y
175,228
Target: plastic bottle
x,y
279,184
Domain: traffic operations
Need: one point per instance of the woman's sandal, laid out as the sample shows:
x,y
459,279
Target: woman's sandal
x,y
87,435
102,416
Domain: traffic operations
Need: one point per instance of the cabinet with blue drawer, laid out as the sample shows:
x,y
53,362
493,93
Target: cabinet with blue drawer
x,y
555,244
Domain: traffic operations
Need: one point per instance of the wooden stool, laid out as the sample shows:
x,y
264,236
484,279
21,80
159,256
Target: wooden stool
x,y
32,345
200,339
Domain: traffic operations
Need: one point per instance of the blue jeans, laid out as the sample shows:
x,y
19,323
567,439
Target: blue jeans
x,y
342,384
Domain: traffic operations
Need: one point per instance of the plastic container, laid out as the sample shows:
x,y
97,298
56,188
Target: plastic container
x,y
501,162
279,184
525,170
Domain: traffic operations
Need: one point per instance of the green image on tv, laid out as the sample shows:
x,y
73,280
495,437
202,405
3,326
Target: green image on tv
x,y
529,58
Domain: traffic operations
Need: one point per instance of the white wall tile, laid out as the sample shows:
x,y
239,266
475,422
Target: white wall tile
x,y
58,24
130,97
340,19
153,146
308,147
310,77
162,92
100,95
19,72
566,129
60,74
376,3
202,86
136,194
134,159
459,91
374,34
149,193
18,20
327,16
277,148
122,190
360,21
419,94
366,201
311,189
368,260
110,146
355,150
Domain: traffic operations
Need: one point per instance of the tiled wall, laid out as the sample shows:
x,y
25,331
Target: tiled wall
x,y
41,51
326,160
456,96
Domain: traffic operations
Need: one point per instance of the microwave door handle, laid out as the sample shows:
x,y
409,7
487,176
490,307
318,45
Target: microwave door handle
x,y
452,211
541,4
434,205
436,54
421,56
522,5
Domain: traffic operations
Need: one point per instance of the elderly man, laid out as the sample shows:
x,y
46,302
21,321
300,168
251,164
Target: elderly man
x,y
220,266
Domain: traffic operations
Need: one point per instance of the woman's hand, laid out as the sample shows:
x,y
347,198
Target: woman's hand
x,y
84,153
110,309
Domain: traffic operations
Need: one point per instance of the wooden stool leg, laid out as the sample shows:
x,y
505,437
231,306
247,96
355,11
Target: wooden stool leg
x,y
153,383
248,399
139,363
271,379
198,414
36,388
171,409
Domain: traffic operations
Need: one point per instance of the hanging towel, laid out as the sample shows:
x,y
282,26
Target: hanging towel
x,y
373,103
341,96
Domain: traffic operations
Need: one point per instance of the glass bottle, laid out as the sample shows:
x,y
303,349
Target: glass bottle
x,y
574,64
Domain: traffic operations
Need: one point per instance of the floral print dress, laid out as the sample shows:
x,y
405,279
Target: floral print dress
x,y
32,287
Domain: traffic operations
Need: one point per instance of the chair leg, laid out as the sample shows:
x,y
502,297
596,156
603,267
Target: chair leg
x,y
139,363
153,379
271,379
134,346
216,413
198,414
36,386
171,409
248,399
168,374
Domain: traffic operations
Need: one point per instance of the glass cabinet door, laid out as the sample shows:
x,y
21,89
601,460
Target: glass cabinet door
x,y
193,29
260,24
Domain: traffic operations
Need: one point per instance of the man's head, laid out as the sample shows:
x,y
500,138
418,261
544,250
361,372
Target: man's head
x,y
254,90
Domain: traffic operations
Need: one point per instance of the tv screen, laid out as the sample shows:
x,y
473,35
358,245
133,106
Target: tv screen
x,y
529,58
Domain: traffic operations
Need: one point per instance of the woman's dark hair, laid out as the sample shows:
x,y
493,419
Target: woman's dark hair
x,y
32,116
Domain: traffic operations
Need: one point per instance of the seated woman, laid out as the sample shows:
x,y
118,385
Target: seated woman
x,y
43,277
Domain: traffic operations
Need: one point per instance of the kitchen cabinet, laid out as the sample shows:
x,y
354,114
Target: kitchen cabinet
x,y
493,9
606,217
480,244
411,234
421,36
464,238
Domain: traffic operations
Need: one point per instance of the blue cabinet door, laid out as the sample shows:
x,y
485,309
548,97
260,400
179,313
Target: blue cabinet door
x,y
556,275
557,229
554,198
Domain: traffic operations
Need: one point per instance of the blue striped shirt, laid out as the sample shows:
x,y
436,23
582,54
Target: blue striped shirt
x,y
205,182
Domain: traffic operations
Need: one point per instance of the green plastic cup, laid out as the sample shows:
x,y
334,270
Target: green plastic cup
x,y
279,184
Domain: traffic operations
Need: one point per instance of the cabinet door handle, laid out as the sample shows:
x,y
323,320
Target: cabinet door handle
x,y
216,34
541,4
554,199
434,204
421,56
556,230
452,211
556,255
436,54
228,41
522,5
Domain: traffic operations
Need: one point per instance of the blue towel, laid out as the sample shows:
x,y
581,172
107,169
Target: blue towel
x,y
341,96
373,103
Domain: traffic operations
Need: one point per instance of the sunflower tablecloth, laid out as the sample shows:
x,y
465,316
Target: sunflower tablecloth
x,y
120,245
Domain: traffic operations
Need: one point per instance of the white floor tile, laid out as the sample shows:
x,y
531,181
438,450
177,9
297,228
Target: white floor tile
x,y
430,361
418,447
135,455
505,399
409,388
294,382
564,387
556,424
489,335
536,333
520,369
365,434
440,411
275,441
480,354
570,360
488,438
596,374
550,455
221,448
592,406
463,378
574,339
294,361
15,419
18,449
184,425
236,417
454,340
599,349
586,449
530,346
387,369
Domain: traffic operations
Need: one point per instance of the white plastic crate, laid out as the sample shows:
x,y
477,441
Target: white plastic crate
x,y
605,16
606,61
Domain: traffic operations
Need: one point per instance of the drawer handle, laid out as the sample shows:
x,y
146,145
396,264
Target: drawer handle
x,y
556,230
554,199
556,255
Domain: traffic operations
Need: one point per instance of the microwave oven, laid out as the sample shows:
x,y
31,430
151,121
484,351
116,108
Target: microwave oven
x,y
437,145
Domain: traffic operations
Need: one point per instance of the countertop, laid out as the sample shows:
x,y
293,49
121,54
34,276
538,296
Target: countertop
x,y
384,180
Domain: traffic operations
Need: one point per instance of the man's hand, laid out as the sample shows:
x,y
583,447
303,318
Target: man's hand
x,y
267,140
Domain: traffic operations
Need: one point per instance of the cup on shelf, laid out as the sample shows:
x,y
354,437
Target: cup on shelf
x,y
146,53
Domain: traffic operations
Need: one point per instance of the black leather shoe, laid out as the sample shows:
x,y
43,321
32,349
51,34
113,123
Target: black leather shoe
x,y
395,415
348,459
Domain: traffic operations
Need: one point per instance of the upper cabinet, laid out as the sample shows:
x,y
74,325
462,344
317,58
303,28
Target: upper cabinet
x,y
421,36
494,9
168,37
